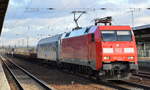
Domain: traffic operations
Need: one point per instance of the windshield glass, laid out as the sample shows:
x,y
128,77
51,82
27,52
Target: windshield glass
x,y
116,35
108,36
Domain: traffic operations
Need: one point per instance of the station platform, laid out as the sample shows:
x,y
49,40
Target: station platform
x,y
4,85
143,58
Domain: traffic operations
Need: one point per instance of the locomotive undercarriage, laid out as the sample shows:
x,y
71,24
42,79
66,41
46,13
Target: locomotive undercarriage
x,y
117,70
76,68
110,71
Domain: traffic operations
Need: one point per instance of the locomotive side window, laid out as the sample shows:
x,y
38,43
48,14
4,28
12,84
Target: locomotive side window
x,y
67,34
87,30
92,37
108,36
116,35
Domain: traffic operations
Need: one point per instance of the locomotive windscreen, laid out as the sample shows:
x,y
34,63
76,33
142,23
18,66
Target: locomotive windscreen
x,y
116,35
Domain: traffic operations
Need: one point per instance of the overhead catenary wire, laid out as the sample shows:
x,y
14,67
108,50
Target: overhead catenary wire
x,y
29,9
36,9
130,10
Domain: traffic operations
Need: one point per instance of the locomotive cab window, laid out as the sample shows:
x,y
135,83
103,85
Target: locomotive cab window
x,y
116,35
124,36
108,36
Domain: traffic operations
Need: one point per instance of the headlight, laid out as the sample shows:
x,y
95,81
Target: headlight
x,y
129,50
130,57
108,50
106,57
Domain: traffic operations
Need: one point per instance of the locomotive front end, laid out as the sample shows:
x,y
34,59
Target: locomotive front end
x,y
119,52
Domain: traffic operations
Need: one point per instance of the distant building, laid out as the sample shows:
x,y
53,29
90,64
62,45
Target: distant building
x,y
142,35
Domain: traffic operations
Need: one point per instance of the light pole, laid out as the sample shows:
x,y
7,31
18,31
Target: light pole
x,y
28,37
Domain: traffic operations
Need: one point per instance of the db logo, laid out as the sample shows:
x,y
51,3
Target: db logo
x,y
118,50
117,45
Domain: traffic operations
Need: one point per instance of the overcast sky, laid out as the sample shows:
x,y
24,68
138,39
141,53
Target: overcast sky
x,y
22,21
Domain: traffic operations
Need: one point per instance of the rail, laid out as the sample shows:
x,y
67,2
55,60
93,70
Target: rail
x,y
119,85
140,86
142,74
10,64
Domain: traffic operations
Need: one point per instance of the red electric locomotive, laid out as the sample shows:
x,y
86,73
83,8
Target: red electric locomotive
x,y
110,51
107,52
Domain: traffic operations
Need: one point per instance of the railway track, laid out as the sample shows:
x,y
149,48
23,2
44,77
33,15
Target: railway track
x,y
143,74
93,79
130,85
23,79
64,84
119,85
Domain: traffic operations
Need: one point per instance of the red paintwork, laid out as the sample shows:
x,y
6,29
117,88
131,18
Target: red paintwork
x,y
83,48
78,48
114,27
118,54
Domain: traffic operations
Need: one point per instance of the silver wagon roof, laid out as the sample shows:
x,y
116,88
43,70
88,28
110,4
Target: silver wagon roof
x,y
50,39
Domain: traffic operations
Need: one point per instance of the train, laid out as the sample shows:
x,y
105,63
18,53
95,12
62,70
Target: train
x,y
106,52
